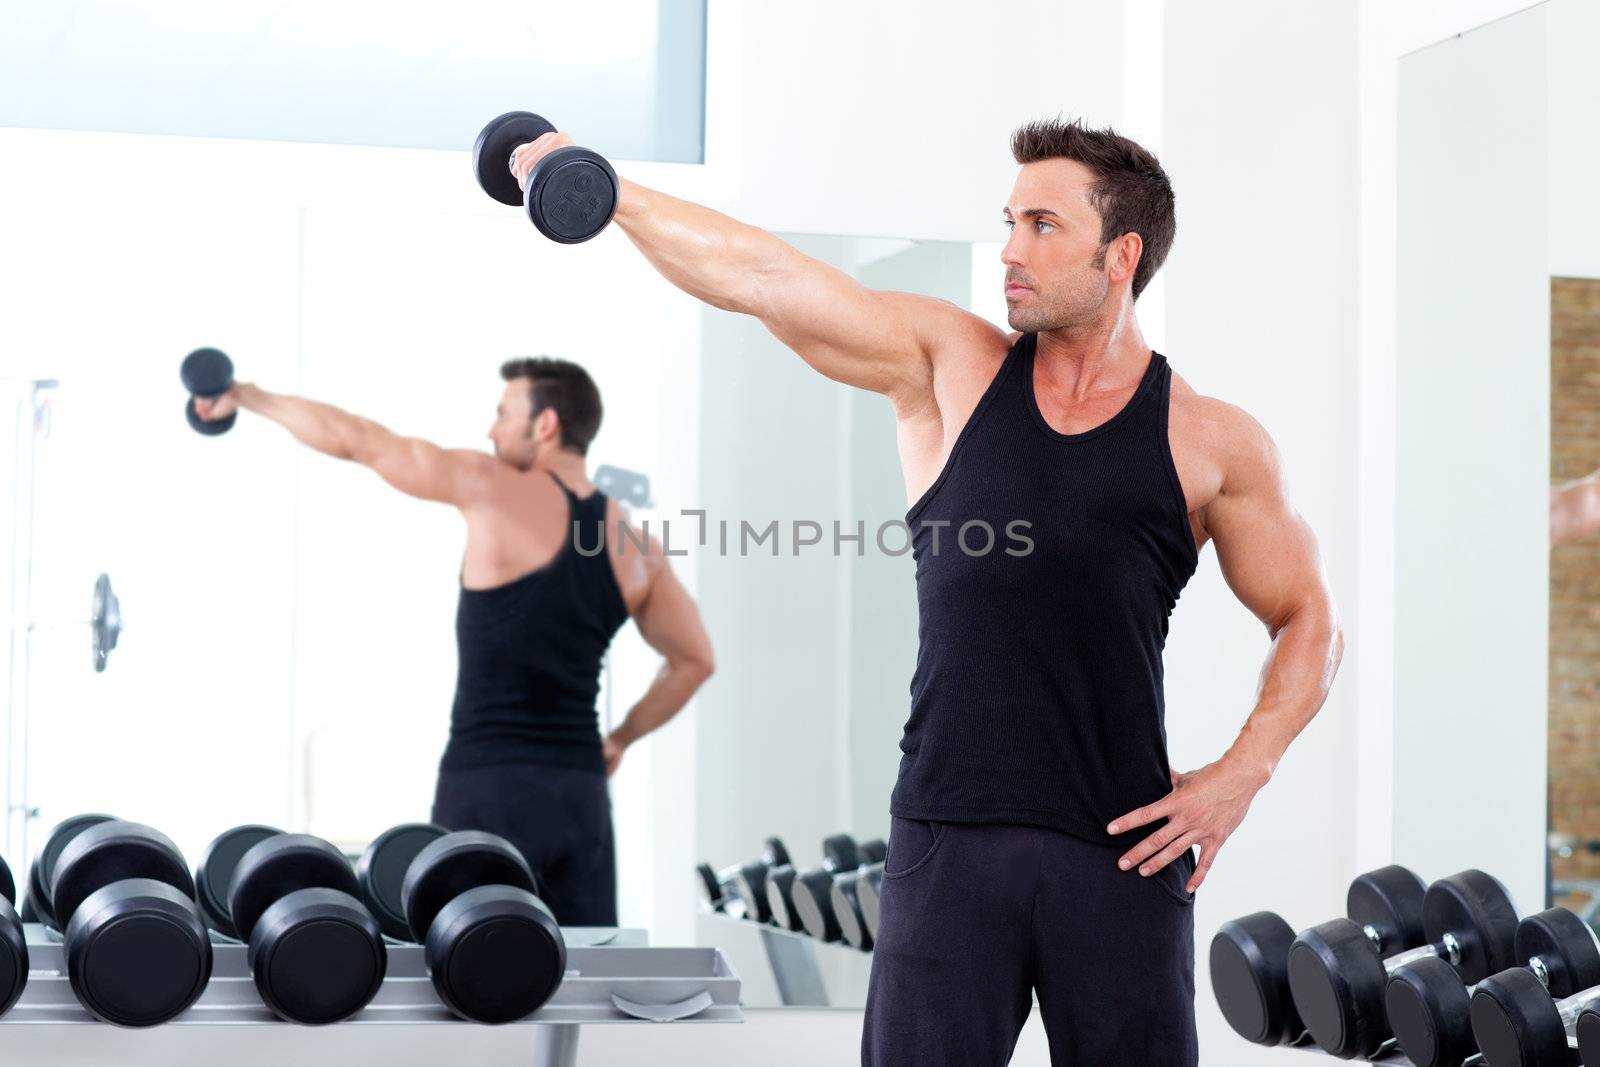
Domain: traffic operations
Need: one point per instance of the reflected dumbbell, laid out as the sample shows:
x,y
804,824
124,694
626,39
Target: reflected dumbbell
x,y
868,889
315,952
1430,1006
850,895
137,950
1339,971
206,373
731,890
811,894
214,875
751,879
13,946
381,871
571,193
1249,956
493,950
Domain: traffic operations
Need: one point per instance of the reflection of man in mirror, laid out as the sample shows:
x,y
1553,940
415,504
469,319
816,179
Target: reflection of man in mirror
x,y
1040,842
1575,509
539,605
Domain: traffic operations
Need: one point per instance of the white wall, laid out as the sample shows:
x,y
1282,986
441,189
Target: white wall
x,y
1574,102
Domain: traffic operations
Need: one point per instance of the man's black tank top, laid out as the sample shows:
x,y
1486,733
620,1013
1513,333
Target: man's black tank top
x,y
1037,696
530,653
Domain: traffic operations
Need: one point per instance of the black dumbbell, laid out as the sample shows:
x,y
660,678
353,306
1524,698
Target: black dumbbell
x,y
493,950
1430,1007
750,880
36,900
316,953
571,193
1250,955
208,373
849,900
137,950
812,892
1587,1027
382,873
868,889
214,876
1339,972
13,946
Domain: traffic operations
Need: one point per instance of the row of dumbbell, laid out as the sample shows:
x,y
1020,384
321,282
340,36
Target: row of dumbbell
x,y
1443,973
837,900
137,928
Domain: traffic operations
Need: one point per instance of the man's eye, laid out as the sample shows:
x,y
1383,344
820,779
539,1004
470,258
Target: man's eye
x,y
1044,226
1008,224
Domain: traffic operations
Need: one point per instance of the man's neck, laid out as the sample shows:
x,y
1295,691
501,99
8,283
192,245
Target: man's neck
x,y
572,469
1093,357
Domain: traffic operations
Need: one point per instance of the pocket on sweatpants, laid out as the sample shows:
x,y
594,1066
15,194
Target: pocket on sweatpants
x,y
911,844
1174,877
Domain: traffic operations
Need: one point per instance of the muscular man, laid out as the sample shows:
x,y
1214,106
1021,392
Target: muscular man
x,y
540,602
1040,840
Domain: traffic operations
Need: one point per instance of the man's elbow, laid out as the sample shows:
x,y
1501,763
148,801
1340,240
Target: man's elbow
x,y
701,667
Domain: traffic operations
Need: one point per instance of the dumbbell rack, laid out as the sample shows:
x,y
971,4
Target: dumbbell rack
x,y
612,977
799,974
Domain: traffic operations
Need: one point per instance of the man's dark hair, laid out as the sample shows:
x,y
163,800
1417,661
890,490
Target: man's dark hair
x,y
566,387
1131,191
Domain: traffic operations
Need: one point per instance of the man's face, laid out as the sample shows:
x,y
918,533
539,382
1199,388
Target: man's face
x,y
1056,271
513,432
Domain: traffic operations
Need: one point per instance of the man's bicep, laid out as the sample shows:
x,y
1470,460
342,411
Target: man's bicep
x,y
669,620
1267,551
871,339
422,469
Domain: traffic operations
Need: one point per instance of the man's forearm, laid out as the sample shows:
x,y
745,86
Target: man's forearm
x,y
708,255
323,427
674,684
1295,680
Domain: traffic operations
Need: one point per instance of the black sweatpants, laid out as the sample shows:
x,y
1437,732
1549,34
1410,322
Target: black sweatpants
x,y
975,918
561,820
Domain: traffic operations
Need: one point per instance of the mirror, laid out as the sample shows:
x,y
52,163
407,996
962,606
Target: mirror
x,y
289,656
1499,259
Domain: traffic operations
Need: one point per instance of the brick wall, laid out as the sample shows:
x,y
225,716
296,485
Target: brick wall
x,y
1575,578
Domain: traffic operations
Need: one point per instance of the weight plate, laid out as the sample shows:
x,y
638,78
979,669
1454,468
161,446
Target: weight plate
x,y
453,864
382,872
214,877
491,153
206,372
572,194
277,866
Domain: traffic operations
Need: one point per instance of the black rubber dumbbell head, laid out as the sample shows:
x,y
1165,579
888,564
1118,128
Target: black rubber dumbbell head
x,y
870,852
36,902
1430,1009
847,909
13,956
780,897
1338,977
1516,1023
494,951
1250,976
1588,1031
381,871
214,876
106,852
8,887
751,880
138,953
839,853
491,153
316,953
867,891
206,372
812,896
